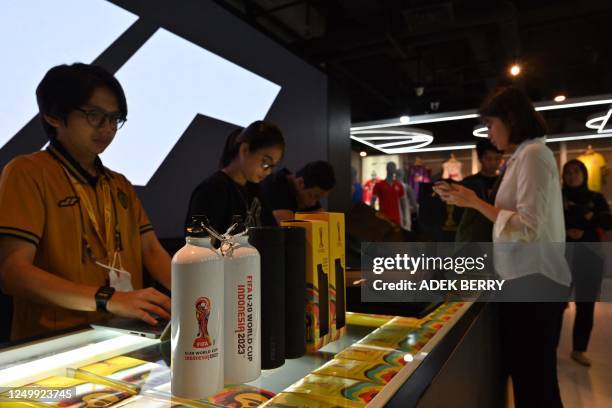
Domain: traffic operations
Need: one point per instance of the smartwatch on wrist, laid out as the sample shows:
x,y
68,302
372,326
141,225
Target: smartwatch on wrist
x,y
103,295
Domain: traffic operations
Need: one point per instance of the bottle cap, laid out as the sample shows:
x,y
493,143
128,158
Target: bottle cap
x,y
197,226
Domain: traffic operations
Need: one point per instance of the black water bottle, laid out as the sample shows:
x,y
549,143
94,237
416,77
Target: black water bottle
x,y
270,242
295,292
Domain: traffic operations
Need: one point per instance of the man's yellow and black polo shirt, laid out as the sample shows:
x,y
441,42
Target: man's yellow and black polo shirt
x,y
39,204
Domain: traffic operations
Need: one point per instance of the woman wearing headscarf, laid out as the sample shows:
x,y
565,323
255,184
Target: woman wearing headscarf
x,y
587,216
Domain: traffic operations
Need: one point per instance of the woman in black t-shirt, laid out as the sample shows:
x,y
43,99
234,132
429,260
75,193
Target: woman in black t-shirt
x,y
248,157
587,215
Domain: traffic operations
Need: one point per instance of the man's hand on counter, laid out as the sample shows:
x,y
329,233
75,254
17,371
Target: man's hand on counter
x,y
140,304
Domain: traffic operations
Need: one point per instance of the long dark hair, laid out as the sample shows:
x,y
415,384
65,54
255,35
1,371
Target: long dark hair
x,y
512,106
258,135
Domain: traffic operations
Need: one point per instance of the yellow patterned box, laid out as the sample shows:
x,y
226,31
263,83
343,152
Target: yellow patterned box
x,y
81,393
366,320
127,372
401,321
10,403
317,282
286,400
335,390
142,401
373,354
235,396
337,268
163,392
240,396
399,338
359,370
388,337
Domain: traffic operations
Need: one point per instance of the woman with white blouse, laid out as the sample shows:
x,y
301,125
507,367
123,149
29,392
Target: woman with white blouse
x,y
528,237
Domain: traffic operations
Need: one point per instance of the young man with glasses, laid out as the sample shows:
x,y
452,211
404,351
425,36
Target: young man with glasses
x,y
74,236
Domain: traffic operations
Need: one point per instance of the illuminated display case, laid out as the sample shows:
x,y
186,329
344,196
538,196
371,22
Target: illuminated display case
x,y
381,361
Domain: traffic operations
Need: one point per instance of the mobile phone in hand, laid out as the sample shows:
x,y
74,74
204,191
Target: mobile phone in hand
x,y
442,185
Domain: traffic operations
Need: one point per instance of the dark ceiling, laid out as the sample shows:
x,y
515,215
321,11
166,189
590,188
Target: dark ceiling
x,y
456,50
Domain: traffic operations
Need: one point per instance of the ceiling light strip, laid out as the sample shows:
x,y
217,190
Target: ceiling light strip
x,y
430,149
365,142
470,114
573,105
577,137
551,139
391,144
382,137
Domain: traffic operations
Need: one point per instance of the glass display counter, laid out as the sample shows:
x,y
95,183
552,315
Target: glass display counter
x,y
369,365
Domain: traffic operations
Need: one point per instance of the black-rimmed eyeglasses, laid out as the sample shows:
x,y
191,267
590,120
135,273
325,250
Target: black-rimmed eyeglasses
x,y
97,118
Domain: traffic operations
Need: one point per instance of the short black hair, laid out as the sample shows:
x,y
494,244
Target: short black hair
x,y
65,88
512,106
318,174
483,146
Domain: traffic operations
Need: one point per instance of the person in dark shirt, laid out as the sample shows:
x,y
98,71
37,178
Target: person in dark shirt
x,y
248,157
475,227
587,215
286,193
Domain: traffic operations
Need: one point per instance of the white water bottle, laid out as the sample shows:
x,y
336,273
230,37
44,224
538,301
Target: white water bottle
x,y
242,312
197,317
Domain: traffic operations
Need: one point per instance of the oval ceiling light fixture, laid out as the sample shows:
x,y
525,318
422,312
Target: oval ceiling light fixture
x,y
402,140
363,154
599,121
560,98
405,119
515,70
481,131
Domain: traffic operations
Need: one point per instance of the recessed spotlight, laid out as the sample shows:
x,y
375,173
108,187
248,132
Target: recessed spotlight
x,y
405,119
559,98
515,70
363,154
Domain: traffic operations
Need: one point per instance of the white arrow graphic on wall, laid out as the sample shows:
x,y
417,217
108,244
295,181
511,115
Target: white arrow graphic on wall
x,y
167,83
36,35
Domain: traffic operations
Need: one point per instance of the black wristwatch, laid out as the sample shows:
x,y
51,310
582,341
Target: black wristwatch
x,y
103,295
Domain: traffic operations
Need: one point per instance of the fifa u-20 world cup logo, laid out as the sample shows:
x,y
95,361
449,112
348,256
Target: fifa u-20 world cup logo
x,y
203,308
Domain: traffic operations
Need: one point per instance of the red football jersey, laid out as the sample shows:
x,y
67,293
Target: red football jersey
x,y
389,196
368,187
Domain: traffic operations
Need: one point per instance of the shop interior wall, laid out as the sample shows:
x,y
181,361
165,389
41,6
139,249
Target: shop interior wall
x,y
300,109
468,158
432,160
